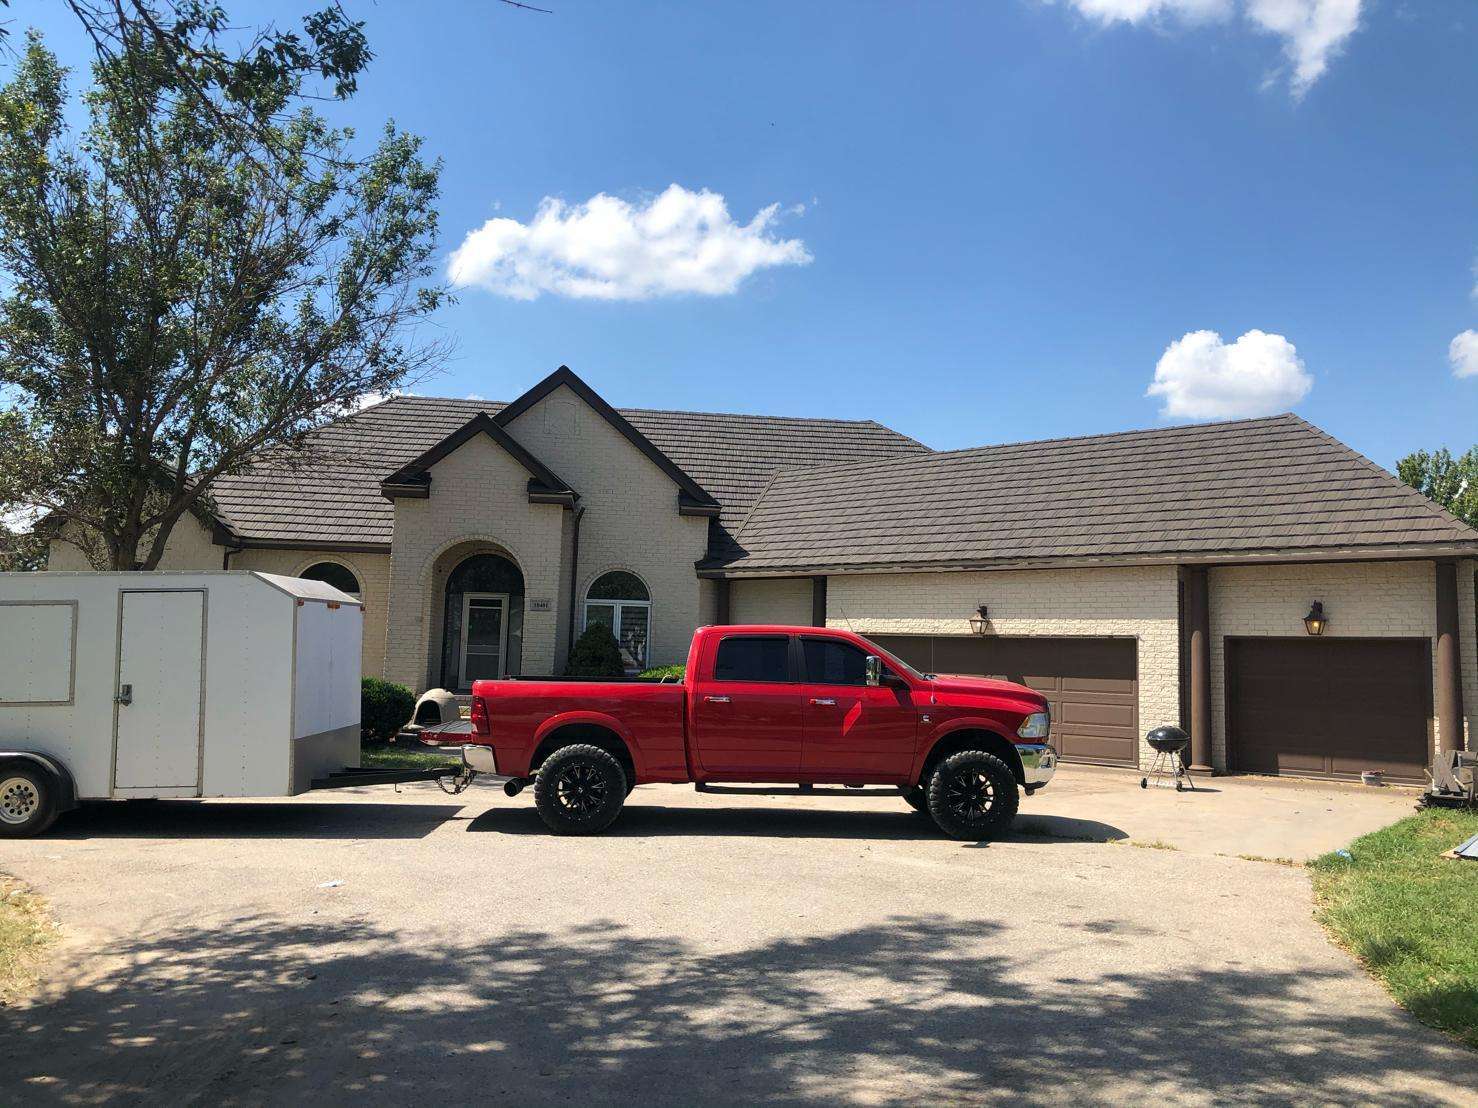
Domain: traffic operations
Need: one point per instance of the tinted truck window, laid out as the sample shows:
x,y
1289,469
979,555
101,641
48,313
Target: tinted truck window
x,y
752,658
834,663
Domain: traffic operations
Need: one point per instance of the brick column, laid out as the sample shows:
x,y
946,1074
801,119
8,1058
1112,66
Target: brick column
x,y
1449,691
1198,662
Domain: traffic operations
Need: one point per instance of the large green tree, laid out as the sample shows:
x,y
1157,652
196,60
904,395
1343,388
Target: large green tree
x,y
1451,482
200,275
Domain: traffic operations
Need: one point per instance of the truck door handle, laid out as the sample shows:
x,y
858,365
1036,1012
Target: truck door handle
x,y
717,699
825,701
125,695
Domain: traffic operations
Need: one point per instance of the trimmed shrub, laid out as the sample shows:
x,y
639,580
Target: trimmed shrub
x,y
384,708
595,654
665,673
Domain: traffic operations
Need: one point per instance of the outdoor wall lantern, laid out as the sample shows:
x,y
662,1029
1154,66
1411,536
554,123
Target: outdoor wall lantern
x,y
1316,620
980,621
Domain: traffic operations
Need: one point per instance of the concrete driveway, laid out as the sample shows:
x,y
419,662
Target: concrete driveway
x,y
421,948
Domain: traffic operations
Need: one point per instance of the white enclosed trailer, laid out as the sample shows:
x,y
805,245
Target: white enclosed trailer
x,y
124,685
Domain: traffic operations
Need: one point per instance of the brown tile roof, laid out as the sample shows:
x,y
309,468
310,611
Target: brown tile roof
x,y
335,499
1236,488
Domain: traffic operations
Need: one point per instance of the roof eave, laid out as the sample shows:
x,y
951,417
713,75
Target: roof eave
x,y
1391,552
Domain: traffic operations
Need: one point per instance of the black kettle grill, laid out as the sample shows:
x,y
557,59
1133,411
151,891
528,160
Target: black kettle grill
x,y
1168,768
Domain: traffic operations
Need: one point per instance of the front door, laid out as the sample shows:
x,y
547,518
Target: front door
x,y
161,675
852,729
484,637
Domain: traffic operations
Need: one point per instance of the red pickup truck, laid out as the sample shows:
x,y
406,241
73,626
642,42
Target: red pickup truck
x,y
796,706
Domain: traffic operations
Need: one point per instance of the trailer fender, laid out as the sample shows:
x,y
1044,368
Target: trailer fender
x,y
66,797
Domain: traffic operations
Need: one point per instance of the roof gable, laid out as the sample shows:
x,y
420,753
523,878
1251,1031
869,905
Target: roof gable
x,y
1212,492
693,499
414,478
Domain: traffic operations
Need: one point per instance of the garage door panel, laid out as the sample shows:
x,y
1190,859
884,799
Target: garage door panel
x,y
1328,706
1090,684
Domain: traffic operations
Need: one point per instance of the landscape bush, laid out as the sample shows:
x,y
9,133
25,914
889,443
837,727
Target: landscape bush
x,y
595,654
666,673
384,708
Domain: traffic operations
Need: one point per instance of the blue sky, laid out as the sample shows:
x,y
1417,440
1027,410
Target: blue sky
x,y
993,219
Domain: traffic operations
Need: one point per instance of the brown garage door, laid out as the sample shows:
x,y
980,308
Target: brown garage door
x,y
1091,685
1328,707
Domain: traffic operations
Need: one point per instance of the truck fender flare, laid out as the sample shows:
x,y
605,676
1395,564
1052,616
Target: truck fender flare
x,y
591,719
953,727
66,798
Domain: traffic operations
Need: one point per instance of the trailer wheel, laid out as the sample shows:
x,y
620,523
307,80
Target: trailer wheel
x,y
973,795
579,790
28,798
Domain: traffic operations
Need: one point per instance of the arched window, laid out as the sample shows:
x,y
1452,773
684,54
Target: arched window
x,y
332,573
618,600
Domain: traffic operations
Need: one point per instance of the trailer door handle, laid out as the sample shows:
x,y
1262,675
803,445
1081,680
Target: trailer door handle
x,y
825,701
125,695
717,699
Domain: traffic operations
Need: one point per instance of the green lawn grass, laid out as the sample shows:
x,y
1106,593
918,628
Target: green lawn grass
x,y
1411,915
390,757
25,933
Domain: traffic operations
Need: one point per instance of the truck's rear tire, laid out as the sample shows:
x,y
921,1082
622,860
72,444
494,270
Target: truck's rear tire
x,y
973,796
579,790
28,801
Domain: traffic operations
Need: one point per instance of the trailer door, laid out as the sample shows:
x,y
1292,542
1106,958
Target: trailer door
x,y
161,668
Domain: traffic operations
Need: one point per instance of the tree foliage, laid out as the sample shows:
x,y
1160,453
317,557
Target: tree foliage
x,y
203,274
1451,482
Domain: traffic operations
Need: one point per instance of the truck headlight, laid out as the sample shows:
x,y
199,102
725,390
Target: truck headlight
x,y
1035,726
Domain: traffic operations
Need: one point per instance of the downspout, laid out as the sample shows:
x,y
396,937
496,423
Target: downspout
x,y
574,574
226,555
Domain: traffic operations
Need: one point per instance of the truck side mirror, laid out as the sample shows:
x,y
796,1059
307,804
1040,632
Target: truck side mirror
x,y
874,669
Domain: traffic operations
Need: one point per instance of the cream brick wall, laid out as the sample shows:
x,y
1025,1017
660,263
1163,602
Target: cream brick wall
x,y
189,547
771,600
1370,599
479,501
1141,603
631,520
372,570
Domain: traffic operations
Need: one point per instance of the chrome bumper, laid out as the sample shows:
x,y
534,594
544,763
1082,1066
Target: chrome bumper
x,y
480,759
1038,763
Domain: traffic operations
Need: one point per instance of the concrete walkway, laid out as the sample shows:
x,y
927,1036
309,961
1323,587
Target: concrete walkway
x,y
421,948
1262,817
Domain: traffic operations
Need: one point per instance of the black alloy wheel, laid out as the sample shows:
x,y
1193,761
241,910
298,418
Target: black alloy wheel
x,y
973,796
579,790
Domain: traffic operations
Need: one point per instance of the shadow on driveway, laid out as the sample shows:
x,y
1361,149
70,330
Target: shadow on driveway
x,y
748,821
916,1008
190,819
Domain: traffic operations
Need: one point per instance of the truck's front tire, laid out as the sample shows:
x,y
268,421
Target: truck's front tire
x,y
28,801
973,796
579,790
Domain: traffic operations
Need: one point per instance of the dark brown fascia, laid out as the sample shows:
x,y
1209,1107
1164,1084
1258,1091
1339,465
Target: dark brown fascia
x,y
222,536
698,500
413,480
1392,553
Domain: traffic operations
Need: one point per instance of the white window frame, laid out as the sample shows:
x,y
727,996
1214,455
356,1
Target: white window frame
x,y
618,605
467,599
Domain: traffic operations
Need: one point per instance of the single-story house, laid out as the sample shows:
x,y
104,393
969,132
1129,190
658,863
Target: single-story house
x,y
1140,578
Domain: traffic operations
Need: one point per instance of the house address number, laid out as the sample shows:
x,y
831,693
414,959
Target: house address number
x,y
540,604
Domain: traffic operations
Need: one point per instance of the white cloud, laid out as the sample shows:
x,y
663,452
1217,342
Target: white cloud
x,y
1201,377
1462,352
1313,31
611,249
